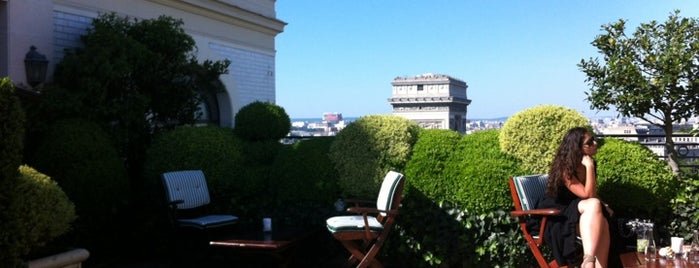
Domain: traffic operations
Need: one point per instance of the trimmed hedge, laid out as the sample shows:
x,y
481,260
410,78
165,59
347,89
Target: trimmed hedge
x,y
304,182
366,149
214,150
452,213
634,181
11,130
36,211
82,159
533,135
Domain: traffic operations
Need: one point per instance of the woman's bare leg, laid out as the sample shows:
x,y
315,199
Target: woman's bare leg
x,y
594,231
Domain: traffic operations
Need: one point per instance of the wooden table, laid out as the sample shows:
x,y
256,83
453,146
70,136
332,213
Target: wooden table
x,y
278,243
635,259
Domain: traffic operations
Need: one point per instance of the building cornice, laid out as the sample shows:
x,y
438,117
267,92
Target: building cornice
x,y
228,13
450,99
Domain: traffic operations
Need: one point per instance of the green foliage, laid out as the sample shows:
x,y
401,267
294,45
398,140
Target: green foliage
x,y
429,160
650,74
634,181
448,175
136,77
533,135
262,121
36,211
304,182
11,131
82,159
685,207
479,171
366,149
214,150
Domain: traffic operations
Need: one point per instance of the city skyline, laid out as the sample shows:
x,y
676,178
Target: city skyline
x,y
341,56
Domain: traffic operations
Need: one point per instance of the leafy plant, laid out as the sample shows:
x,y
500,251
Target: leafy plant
x,y
533,135
262,121
36,211
634,181
650,74
685,207
366,149
11,130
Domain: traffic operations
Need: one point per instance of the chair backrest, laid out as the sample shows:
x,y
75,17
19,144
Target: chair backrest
x,y
391,190
188,186
530,189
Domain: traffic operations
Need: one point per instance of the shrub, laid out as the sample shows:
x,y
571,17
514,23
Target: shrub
x,y
36,212
533,135
82,159
262,121
479,172
366,149
634,181
456,186
11,130
214,150
685,207
304,182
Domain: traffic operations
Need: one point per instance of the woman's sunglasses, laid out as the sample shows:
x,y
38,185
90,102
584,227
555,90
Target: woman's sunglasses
x,y
590,142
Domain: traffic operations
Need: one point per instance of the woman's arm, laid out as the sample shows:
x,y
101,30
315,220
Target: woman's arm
x,y
589,188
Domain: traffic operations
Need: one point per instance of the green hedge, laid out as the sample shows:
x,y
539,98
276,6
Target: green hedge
x,y
83,160
36,211
366,149
214,150
452,212
634,181
304,182
11,130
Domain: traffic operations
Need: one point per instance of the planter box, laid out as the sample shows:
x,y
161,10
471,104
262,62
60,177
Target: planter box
x,y
68,259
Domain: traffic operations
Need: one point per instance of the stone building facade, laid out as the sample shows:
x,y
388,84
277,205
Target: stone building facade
x,y
434,101
242,31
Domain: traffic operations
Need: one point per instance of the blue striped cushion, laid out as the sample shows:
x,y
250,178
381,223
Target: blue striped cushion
x,y
530,189
209,221
188,186
352,223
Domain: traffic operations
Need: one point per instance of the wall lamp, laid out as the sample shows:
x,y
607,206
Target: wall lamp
x,y
35,65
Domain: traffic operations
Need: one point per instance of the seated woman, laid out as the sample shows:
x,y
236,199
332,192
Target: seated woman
x,y
572,189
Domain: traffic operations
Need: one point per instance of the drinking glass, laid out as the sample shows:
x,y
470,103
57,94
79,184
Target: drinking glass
x,y
651,252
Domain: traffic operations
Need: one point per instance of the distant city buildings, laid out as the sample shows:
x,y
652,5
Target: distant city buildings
x,y
433,101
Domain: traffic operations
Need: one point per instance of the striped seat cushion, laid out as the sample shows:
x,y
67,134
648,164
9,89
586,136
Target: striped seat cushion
x,y
531,189
209,221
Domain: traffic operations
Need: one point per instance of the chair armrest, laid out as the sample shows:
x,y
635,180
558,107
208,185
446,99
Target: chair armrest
x,y
173,204
367,210
356,202
536,212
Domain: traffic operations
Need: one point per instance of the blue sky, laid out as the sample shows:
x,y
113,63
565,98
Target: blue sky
x,y
342,55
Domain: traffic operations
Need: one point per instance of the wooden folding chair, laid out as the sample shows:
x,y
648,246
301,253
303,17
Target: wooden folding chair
x,y
364,234
526,191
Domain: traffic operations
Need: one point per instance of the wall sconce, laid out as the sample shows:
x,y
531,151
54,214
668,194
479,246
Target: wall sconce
x,y
35,65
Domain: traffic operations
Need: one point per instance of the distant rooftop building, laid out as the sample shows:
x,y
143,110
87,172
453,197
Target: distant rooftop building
x,y
431,100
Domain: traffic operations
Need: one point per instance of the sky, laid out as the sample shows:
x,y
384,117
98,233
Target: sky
x,y
342,55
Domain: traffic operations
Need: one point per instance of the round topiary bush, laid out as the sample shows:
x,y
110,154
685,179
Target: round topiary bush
x,y
366,149
82,159
634,181
11,130
36,211
262,121
533,135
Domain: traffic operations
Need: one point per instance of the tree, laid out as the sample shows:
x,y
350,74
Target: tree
x,y
134,77
651,74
